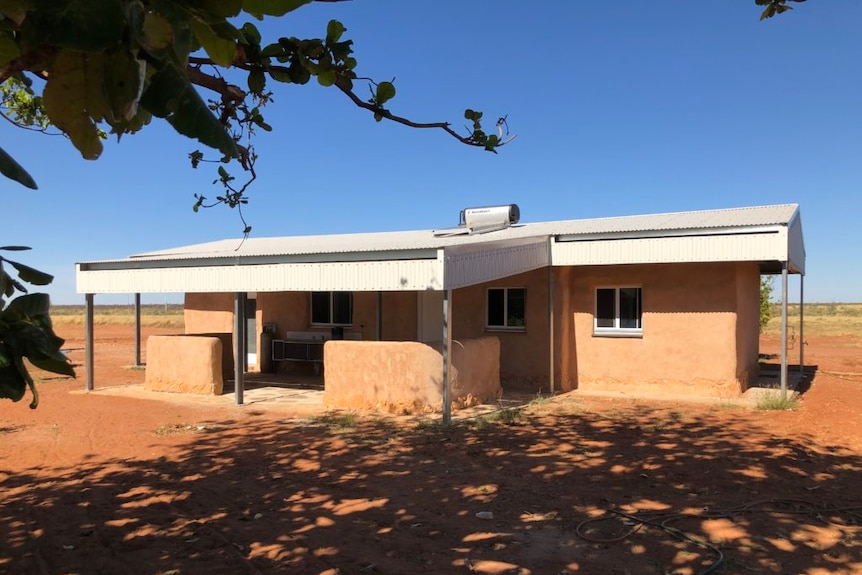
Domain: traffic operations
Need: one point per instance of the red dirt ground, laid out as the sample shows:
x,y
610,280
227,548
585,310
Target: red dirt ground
x,y
99,484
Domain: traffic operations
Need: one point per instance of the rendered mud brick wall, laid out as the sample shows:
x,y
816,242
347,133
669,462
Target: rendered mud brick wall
x,y
184,364
406,377
747,324
524,353
698,338
208,312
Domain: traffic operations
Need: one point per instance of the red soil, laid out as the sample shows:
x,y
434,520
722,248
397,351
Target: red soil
x,y
99,484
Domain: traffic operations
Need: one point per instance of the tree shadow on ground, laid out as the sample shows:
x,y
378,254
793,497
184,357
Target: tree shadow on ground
x,y
517,495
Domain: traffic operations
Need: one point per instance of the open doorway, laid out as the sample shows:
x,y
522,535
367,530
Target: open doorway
x,y
430,316
251,328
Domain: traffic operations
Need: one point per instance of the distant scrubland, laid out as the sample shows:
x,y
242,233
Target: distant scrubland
x,y
152,315
820,319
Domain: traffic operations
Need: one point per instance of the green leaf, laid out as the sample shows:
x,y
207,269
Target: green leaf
x,y
65,98
59,365
261,8
31,275
220,50
8,48
280,75
218,8
12,385
30,305
13,170
157,34
385,92
121,83
170,95
83,25
491,143
334,30
326,78
251,33
95,97
256,81
273,50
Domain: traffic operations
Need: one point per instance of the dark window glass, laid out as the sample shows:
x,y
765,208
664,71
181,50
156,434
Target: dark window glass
x,y
496,307
342,304
320,307
515,308
630,307
606,307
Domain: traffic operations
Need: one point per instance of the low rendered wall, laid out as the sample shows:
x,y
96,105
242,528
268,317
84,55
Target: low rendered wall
x,y
226,351
406,377
184,364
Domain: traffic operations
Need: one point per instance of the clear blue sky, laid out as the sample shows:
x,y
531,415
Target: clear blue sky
x,y
620,108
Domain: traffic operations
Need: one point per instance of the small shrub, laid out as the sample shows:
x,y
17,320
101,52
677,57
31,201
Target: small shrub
x,y
774,401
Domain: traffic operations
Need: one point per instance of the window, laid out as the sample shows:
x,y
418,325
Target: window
x,y
618,311
506,308
332,308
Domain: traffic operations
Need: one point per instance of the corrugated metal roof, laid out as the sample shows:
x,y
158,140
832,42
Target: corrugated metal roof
x,y
381,242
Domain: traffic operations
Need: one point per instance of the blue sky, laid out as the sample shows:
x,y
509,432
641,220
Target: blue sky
x,y
620,108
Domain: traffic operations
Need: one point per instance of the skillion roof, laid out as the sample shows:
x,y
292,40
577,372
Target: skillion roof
x,y
420,260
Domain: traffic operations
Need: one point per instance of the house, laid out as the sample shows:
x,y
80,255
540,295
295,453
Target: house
x,y
664,300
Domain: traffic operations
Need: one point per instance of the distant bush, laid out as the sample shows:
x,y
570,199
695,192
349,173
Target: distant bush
x,y
766,288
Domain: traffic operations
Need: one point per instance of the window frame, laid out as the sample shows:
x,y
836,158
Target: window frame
x,y
616,330
331,322
506,326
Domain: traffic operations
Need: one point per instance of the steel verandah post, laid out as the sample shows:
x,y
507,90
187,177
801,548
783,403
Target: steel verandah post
x,y
380,316
447,345
88,342
239,348
137,330
802,324
784,331
550,320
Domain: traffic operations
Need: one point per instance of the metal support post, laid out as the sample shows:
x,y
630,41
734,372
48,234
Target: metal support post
x,y
88,342
447,347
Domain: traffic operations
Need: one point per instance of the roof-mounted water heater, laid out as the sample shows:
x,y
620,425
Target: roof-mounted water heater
x,y
483,220
489,218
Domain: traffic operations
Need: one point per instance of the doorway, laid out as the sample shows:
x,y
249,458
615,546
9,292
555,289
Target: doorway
x,y
251,328
430,316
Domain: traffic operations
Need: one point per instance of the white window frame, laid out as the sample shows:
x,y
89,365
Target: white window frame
x,y
330,323
506,327
616,330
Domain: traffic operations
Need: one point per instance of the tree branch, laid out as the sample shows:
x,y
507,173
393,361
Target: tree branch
x,y
218,85
343,85
32,61
229,92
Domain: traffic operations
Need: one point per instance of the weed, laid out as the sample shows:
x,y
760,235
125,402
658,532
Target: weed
x,y
774,401
675,416
429,425
176,429
541,399
508,416
344,420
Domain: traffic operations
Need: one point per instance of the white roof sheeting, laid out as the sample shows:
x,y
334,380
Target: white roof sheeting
x,y
462,260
